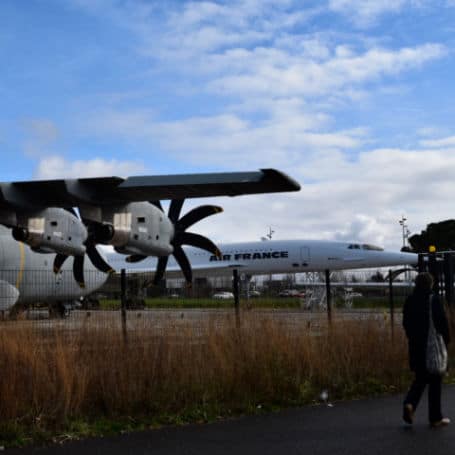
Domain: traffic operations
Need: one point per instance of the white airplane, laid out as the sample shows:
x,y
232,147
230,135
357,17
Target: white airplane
x,y
43,250
274,256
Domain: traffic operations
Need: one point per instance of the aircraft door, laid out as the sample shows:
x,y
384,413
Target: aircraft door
x,y
305,257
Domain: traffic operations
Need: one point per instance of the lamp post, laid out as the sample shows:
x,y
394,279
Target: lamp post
x,y
405,230
405,234
269,236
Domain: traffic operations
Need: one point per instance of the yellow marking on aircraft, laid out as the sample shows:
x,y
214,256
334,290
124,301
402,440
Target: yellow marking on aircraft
x,y
20,275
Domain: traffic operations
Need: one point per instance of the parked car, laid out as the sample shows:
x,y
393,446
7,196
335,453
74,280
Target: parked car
x,y
289,293
223,295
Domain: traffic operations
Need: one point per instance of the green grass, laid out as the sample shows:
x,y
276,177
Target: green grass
x,y
261,302
163,302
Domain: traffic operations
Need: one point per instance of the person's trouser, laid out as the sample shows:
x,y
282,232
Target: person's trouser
x,y
434,381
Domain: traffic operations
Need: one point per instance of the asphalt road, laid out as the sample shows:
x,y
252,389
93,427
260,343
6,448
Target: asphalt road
x,y
357,427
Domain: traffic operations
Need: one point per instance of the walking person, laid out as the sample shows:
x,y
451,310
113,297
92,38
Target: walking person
x,y
416,321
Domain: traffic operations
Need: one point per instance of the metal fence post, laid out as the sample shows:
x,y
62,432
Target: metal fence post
x,y
236,296
123,302
328,296
391,303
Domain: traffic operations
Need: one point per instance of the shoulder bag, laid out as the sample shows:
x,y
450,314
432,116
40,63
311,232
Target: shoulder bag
x,y
436,355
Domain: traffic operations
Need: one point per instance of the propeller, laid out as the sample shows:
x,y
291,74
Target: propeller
x,y
182,237
78,264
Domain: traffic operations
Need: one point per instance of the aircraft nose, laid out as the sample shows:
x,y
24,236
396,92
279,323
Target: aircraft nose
x,y
406,258
410,258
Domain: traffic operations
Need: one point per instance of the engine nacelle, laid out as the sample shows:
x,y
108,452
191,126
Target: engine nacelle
x,y
139,228
52,230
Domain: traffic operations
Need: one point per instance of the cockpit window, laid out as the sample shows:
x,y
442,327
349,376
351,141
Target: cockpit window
x,y
365,246
372,247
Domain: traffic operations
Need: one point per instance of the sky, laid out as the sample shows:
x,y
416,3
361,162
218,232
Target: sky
x,y
351,98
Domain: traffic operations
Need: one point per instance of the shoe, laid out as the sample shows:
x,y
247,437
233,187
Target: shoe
x,y
408,413
440,423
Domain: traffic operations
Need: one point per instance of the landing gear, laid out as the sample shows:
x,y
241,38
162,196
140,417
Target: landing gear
x,y
16,311
89,303
59,310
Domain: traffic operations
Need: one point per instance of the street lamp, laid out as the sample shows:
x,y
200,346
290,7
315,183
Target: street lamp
x,y
405,230
405,233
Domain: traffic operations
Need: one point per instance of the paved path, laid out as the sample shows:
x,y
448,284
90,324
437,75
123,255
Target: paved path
x,y
359,427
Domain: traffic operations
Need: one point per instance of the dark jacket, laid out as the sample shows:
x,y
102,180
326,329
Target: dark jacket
x,y
415,323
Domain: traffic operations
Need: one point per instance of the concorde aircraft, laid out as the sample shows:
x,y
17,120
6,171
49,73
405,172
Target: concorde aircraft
x,y
275,256
46,234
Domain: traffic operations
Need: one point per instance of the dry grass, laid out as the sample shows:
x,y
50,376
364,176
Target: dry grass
x,y
49,377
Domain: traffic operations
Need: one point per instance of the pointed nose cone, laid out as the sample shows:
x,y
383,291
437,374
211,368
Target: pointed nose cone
x,y
410,258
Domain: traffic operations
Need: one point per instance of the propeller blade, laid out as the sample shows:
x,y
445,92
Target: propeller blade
x,y
78,270
135,258
197,214
72,211
160,269
184,263
198,241
58,262
174,209
157,204
97,260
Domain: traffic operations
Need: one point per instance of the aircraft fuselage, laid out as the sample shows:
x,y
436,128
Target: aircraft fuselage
x,y
279,256
32,274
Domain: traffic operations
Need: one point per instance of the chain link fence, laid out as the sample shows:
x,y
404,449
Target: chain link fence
x,y
131,302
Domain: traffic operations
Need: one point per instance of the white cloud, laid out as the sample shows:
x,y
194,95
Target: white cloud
x,y
285,75
364,12
348,199
230,141
362,228
439,143
57,167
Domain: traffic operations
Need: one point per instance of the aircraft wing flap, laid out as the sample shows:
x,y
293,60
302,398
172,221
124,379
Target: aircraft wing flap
x,y
205,185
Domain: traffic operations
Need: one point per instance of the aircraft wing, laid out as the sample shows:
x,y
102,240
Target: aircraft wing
x,y
115,190
198,271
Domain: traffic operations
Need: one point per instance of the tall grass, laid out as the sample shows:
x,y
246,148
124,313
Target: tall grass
x,y
52,376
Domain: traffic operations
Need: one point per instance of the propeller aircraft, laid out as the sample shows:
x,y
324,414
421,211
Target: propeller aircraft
x,y
123,213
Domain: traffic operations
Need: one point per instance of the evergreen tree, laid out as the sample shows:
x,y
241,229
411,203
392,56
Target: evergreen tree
x,y
441,235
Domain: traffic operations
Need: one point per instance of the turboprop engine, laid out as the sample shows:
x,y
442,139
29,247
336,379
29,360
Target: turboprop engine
x,y
52,230
142,229
137,228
